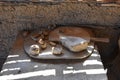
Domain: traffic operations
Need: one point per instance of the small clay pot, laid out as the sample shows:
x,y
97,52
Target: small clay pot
x,y
57,50
34,49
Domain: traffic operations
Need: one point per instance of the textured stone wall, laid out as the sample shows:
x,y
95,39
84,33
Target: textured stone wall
x,y
15,17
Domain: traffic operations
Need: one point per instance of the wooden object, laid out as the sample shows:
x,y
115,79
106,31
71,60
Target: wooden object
x,y
75,32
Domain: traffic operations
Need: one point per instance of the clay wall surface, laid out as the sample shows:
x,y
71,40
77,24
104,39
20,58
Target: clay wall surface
x,y
15,17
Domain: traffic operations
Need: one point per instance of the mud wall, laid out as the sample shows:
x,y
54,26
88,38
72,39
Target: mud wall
x,y
17,17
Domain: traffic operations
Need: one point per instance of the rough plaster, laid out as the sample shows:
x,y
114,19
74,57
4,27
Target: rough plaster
x,y
16,17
